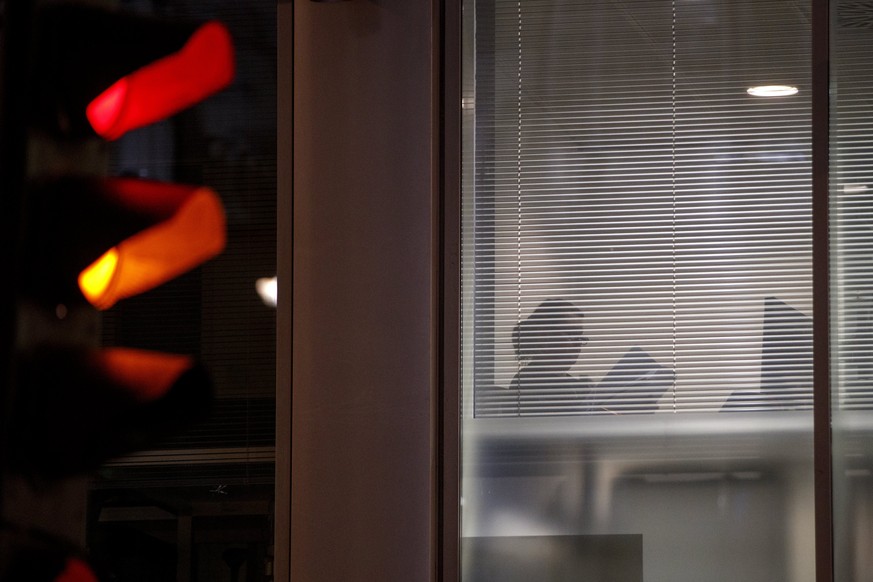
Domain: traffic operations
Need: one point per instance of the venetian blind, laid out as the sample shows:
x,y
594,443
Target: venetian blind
x,y
632,204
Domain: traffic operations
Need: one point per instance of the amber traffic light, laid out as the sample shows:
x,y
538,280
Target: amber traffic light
x,y
107,239
189,230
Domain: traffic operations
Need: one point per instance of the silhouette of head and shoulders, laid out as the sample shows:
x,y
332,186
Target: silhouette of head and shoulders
x,y
548,344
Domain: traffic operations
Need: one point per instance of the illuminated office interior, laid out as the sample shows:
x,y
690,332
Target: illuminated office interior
x,y
637,291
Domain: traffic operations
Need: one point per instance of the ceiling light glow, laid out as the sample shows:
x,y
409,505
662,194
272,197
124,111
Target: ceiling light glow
x,y
772,91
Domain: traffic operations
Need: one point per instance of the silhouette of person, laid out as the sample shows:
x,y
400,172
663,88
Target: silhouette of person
x,y
547,344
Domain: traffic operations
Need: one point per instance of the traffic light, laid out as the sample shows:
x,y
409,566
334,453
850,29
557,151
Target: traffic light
x,y
87,240
77,406
107,72
34,556
108,239
90,240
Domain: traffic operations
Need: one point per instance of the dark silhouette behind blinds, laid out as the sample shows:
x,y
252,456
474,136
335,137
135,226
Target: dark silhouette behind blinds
x,y
547,344
786,362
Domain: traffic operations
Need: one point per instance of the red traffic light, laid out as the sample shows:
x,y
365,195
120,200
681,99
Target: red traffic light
x,y
76,571
204,66
28,555
105,72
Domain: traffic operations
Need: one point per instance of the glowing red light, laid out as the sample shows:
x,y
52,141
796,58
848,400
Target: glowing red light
x,y
76,571
204,66
103,111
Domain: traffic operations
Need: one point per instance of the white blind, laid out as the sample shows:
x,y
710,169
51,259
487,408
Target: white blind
x,y
623,176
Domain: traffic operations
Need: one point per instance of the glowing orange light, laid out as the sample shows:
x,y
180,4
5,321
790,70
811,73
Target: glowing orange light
x,y
204,66
193,232
145,375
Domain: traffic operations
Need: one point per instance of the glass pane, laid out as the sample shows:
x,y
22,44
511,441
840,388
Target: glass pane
x,y
637,363
851,195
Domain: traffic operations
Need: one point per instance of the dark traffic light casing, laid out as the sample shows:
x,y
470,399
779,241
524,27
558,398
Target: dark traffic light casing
x,y
90,240
73,79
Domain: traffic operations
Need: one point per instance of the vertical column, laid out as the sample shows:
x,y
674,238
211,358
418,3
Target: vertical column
x,y
285,272
365,282
824,552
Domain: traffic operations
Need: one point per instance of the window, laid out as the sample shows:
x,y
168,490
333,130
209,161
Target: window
x,y
623,172
637,290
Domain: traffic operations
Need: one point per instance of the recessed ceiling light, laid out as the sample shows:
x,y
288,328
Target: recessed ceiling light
x,y
772,91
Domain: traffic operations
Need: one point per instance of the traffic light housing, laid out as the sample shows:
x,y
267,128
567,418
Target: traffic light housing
x,y
78,79
90,240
